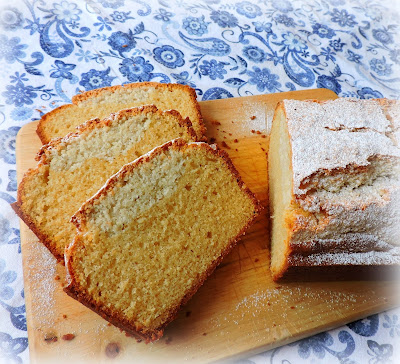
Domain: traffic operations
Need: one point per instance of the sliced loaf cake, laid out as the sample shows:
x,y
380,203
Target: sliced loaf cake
x,y
73,168
334,172
150,237
102,102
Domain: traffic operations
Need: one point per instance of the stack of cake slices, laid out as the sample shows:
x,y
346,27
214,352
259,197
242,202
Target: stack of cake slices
x,y
134,201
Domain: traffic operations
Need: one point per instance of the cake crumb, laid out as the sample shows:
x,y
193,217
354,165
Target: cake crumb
x,y
57,277
51,338
252,117
215,122
225,145
236,141
64,316
253,131
68,337
204,334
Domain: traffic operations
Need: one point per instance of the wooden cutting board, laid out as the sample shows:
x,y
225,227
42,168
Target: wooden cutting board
x,y
238,312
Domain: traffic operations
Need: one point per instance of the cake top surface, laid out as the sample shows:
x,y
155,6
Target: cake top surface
x,y
339,133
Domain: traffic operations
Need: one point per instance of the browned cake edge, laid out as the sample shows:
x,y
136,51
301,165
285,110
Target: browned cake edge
x,y
94,93
72,287
57,143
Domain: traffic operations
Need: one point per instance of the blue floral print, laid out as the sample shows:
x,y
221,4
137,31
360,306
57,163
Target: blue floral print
x,y
6,277
323,31
169,56
285,20
369,93
380,66
21,113
262,26
263,79
293,42
113,4
337,45
103,23
62,70
393,324
163,15
254,53
121,16
7,144
382,35
195,26
248,9
329,82
12,176
394,55
282,5
343,18
11,18
213,69
224,19
136,69
96,79
122,42
11,49
66,11
380,354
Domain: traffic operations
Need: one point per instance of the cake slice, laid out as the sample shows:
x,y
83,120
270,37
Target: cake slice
x,y
334,176
102,102
72,169
151,236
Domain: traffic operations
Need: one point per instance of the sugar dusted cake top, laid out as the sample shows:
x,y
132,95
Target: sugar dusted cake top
x,y
339,133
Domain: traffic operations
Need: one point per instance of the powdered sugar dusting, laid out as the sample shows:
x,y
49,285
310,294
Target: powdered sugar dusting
x,y
41,273
335,134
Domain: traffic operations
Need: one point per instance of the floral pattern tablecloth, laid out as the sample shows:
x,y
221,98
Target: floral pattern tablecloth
x,y
52,49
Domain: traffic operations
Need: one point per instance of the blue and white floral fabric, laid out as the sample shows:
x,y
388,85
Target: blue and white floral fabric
x,y
52,49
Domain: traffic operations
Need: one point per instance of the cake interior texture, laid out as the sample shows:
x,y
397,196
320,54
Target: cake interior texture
x,y
102,102
72,169
335,196
148,241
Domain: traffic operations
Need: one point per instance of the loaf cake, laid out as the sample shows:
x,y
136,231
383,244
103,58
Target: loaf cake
x,y
150,237
334,176
102,102
73,168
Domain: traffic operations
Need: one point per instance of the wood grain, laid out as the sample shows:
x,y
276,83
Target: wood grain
x,y
238,312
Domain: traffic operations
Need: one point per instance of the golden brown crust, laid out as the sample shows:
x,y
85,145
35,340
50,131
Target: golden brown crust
x,y
94,93
92,124
72,287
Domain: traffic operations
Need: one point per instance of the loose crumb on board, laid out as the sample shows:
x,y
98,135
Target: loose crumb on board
x,y
50,338
215,122
225,145
68,337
